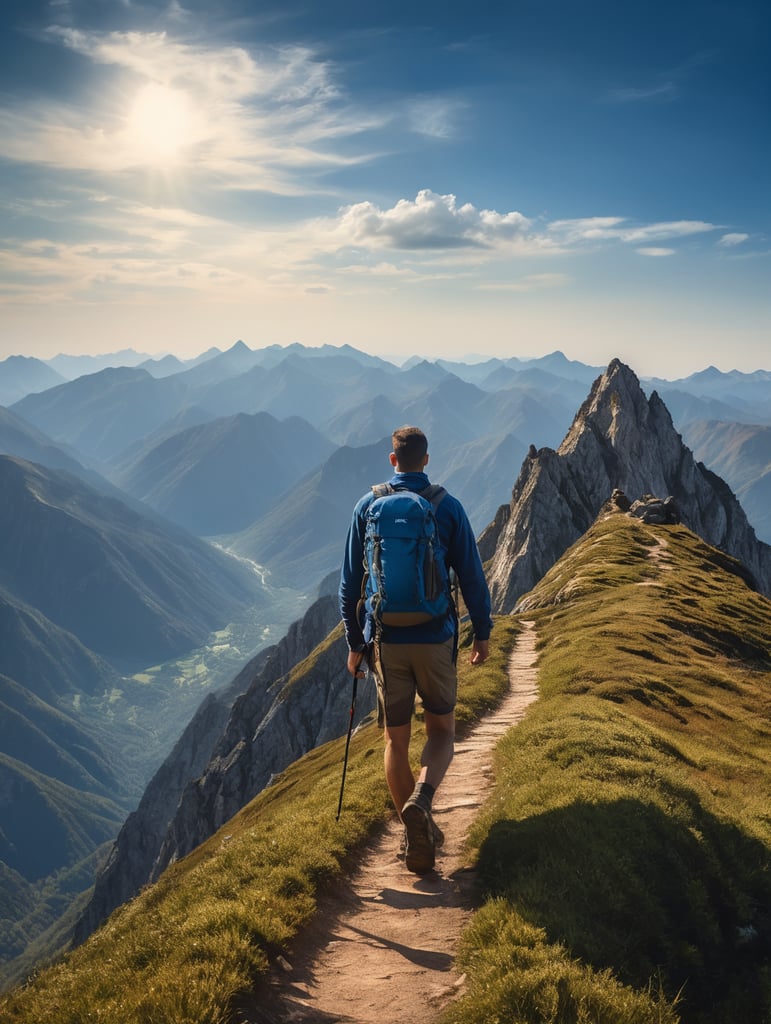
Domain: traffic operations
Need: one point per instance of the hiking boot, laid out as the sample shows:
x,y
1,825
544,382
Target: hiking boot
x,y
438,835
419,832
438,840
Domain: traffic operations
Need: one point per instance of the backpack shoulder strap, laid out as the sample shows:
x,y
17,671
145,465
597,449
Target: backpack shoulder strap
x,y
433,493
380,490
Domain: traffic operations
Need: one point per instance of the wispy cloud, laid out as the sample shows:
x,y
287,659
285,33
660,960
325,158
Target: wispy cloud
x,y
653,250
732,239
246,119
528,283
603,229
666,86
435,116
664,91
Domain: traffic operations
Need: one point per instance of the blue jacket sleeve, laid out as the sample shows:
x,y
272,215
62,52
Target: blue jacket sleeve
x,y
351,577
463,557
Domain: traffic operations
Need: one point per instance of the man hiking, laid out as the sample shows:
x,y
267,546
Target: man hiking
x,y
412,650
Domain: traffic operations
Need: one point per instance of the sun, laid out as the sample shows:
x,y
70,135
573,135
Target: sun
x,y
161,125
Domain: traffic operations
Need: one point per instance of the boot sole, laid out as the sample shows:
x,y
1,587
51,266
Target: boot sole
x,y
420,856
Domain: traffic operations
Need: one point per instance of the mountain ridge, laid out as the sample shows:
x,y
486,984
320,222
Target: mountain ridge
x,y
172,593
615,408
653,828
504,453
618,439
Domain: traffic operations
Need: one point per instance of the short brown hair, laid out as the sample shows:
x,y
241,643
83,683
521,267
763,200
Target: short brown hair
x,y
410,447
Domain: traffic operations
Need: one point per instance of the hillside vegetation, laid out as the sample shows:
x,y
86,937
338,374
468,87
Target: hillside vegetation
x,y
623,857
627,845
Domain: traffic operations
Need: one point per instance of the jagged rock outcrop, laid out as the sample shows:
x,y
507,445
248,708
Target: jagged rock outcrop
x,y
618,440
307,707
228,753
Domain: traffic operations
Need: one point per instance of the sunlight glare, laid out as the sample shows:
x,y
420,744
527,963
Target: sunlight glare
x,y
161,125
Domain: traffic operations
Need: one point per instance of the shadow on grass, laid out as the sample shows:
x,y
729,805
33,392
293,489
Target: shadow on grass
x,y
625,886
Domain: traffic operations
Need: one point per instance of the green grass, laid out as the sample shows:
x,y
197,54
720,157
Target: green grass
x,y
187,948
625,855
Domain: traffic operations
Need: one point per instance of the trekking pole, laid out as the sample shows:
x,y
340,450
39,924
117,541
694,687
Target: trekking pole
x,y
347,742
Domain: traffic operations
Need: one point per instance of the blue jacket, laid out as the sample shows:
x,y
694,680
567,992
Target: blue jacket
x,y
462,555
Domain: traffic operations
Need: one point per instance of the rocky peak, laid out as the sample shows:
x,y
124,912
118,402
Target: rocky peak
x,y
621,440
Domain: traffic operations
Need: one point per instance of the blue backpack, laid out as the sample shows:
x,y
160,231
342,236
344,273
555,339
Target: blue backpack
x,y
405,576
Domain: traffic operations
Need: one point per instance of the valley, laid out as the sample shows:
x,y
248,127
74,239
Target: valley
x,y
152,706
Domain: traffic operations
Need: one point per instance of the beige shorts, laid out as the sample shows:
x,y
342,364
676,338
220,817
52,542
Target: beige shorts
x,y
403,670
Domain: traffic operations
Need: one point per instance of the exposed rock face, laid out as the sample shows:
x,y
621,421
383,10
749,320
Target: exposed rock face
x,y
618,440
268,717
266,733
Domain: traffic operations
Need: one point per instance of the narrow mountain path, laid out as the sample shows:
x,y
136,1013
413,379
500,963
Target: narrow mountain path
x,y
384,952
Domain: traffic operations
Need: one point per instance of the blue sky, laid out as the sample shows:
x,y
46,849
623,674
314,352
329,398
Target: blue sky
x,y
435,179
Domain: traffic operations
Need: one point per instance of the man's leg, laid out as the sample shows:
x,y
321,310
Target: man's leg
x,y
439,748
398,771
437,684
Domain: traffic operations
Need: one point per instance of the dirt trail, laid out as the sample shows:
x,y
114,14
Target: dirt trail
x,y
384,952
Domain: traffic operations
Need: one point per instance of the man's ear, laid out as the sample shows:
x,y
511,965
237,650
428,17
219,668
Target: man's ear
x,y
392,459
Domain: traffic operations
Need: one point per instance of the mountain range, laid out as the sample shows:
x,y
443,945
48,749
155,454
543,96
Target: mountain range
x,y
116,482
221,476
91,589
619,438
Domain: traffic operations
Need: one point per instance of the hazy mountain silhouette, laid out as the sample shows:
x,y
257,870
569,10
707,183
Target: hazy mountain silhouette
x,y
712,394
318,388
100,414
19,438
163,367
71,367
302,538
741,454
220,476
53,743
46,659
130,588
24,375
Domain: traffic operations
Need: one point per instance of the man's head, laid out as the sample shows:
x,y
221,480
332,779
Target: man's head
x,y
410,450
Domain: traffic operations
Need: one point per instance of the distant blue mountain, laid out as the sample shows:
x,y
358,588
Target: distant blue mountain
x,y
220,476
24,375
130,588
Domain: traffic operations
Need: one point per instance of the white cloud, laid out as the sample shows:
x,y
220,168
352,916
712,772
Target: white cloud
x,y
733,238
652,250
434,222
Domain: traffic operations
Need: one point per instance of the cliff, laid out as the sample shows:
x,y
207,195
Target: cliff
x,y
287,700
618,440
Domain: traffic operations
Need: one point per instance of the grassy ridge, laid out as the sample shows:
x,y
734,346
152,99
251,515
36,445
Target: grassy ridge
x,y
624,856
185,950
626,852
